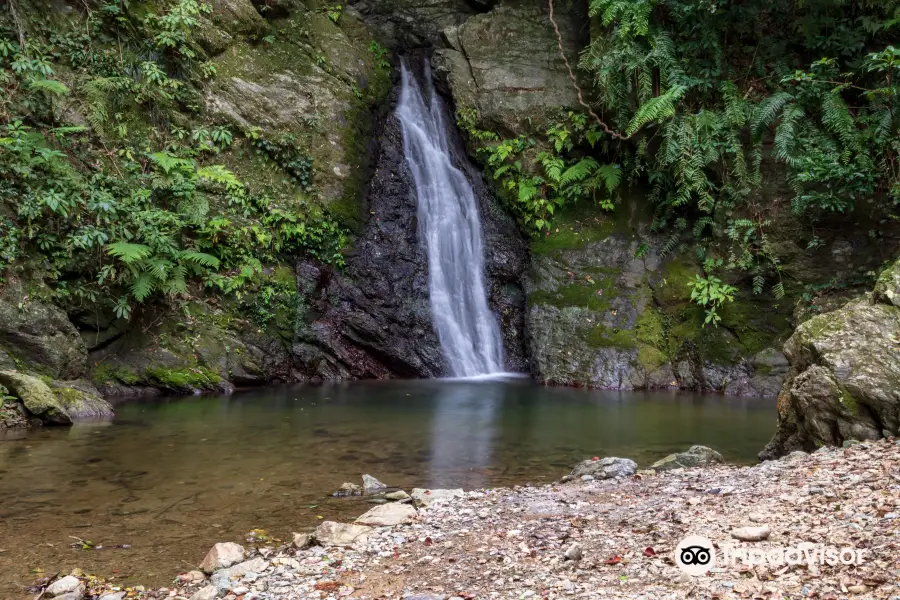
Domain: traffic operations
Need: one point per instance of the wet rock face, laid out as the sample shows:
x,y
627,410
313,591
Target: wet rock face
x,y
506,65
844,380
374,320
37,335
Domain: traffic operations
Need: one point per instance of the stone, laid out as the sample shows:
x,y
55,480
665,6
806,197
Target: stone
x,y
574,552
39,334
370,484
605,468
332,533
348,489
752,534
76,595
844,372
423,497
387,515
302,540
695,457
60,404
210,592
397,496
65,585
114,596
222,555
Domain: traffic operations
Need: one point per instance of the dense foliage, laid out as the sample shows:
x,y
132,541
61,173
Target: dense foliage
x,y
704,99
132,203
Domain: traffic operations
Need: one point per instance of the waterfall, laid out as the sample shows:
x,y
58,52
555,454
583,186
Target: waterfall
x,y
450,227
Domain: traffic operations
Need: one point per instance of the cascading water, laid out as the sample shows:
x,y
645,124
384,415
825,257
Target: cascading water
x,y
450,227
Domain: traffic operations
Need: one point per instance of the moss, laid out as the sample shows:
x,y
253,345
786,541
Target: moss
x,y
181,379
594,297
847,400
104,373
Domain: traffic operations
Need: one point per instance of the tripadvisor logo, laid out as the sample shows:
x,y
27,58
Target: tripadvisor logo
x,y
695,555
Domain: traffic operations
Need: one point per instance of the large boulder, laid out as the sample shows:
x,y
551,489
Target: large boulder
x,y
844,381
38,336
59,402
693,458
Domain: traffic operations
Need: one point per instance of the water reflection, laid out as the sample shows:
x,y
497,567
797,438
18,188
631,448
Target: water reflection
x,y
463,431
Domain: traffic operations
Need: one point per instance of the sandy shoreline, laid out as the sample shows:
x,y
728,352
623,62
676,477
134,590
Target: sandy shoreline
x,y
598,539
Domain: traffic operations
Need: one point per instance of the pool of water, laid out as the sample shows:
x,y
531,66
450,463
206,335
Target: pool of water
x,y
171,477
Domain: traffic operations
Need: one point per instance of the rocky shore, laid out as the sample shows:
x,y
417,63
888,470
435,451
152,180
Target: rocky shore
x,y
608,532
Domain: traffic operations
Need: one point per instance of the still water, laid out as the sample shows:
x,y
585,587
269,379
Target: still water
x,y
171,477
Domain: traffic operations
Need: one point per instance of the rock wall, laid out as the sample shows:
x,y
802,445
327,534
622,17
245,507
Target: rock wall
x,y
844,381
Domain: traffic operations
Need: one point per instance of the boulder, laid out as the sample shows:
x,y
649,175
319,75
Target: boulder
x,y
222,555
844,380
38,336
605,468
63,403
302,540
370,484
423,497
695,457
387,515
332,533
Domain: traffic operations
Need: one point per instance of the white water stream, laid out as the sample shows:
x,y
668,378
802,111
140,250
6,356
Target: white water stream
x,y
450,227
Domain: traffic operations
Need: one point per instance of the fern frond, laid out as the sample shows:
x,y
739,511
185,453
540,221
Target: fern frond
x,y
656,109
129,253
579,171
768,110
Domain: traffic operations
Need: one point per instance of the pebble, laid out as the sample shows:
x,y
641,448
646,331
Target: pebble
x,y
752,534
574,552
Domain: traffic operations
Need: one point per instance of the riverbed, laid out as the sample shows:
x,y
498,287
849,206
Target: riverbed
x,y
170,477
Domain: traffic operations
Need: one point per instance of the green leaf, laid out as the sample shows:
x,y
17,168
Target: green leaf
x,y
129,253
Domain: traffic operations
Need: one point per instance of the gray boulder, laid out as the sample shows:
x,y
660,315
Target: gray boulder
x,y
370,484
605,468
844,381
221,556
66,585
695,457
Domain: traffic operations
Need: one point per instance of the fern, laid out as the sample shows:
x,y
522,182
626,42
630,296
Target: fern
x,y
656,109
51,86
768,110
129,253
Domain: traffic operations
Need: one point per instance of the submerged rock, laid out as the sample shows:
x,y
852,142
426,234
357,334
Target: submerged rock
x,y
222,555
348,489
605,468
696,456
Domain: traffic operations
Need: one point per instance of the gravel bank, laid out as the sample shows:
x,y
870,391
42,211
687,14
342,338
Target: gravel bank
x,y
600,539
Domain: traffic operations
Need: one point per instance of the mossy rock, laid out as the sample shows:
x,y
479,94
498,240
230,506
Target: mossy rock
x,y
59,402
